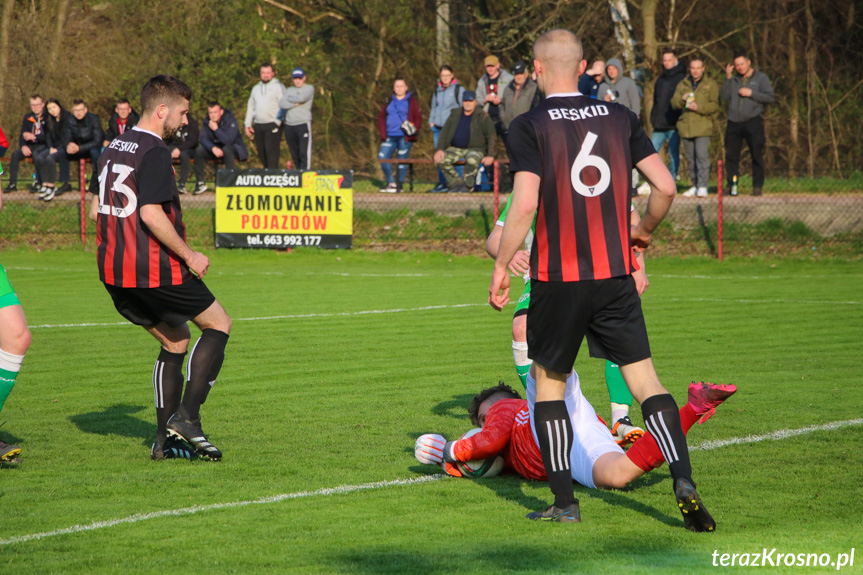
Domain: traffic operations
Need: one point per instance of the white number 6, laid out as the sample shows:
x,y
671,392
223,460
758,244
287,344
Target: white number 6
x,y
585,160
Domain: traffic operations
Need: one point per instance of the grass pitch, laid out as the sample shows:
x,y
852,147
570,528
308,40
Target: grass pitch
x,y
339,360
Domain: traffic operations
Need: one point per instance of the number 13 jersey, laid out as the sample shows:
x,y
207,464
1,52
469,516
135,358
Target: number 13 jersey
x,y
584,152
135,170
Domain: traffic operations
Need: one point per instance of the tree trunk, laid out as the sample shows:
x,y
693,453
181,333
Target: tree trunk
x,y
444,52
794,120
60,21
810,82
374,137
622,30
5,25
648,17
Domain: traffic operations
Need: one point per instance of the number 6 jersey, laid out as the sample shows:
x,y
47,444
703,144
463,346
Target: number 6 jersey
x,y
584,152
135,170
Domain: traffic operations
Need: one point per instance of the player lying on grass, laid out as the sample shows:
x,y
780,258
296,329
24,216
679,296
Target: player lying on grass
x,y
618,394
595,460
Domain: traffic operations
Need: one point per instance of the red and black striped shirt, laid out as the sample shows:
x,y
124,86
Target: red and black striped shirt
x,y
583,151
135,170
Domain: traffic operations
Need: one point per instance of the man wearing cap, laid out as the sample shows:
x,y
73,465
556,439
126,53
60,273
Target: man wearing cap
x,y
520,96
468,134
589,83
489,89
261,117
296,115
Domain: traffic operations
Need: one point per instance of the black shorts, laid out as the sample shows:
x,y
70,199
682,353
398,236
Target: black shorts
x,y
173,305
607,311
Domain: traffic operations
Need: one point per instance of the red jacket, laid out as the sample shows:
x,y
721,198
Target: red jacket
x,y
4,143
415,116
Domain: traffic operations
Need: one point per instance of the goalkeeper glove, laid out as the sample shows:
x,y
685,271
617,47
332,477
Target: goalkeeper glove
x,y
429,448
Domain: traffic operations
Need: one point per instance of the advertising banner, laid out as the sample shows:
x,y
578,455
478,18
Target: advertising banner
x,y
284,209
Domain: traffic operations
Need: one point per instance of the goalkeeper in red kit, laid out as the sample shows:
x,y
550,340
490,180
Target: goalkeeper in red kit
x,y
595,459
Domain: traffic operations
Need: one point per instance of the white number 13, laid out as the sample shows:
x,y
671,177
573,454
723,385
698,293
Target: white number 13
x,y
584,160
122,173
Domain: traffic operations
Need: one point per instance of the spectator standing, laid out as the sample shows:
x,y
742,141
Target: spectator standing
x,y
447,96
663,117
520,96
619,88
698,97
589,83
123,118
220,140
182,146
32,139
4,143
262,117
747,91
47,159
296,115
489,89
398,125
84,134
468,134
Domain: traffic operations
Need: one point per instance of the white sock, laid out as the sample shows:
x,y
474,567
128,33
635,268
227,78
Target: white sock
x,y
10,361
618,412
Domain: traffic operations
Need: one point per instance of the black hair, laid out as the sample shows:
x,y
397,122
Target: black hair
x,y
213,103
669,50
79,101
477,400
741,53
446,67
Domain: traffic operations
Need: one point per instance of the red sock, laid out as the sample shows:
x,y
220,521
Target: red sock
x,y
646,454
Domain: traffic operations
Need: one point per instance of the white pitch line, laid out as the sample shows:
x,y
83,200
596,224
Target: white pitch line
x,y
766,301
291,316
138,517
775,435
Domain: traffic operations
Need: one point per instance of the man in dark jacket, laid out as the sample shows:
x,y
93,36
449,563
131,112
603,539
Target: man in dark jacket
x,y
220,140
469,134
32,139
520,96
84,134
663,117
747,91
124,118
182,146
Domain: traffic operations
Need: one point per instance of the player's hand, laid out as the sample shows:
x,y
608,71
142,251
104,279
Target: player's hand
x,y
639,240
745,92
198,263
450,469
498,290
520,262
429,448
641,281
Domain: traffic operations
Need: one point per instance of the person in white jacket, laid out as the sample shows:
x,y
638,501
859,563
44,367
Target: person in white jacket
x,y
261,117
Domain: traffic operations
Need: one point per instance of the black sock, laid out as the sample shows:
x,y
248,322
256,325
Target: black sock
x,y
662,419
167,389
205,361
554,431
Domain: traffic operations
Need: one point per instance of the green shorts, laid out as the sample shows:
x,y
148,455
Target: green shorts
x,y
524,301
7,292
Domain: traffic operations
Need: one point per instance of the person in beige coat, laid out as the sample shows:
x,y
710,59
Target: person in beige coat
x,y
698,96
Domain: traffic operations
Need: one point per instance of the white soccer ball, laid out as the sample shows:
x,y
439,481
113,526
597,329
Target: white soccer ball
x,y
477,468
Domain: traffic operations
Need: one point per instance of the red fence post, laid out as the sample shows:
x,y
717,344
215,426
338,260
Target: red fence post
x,y
719,210
82,168
496,190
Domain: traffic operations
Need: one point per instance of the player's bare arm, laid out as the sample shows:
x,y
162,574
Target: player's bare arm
x,y
161,227
662,191
640,275
519,264
519,218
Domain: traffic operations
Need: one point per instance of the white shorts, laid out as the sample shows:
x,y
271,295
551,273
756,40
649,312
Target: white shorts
x,y
591,439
